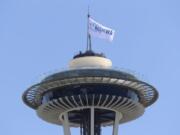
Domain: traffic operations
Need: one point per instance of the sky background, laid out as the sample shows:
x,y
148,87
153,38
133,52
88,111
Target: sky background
x,y
39,37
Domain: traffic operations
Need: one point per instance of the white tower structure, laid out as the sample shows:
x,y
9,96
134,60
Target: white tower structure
x,y
90,95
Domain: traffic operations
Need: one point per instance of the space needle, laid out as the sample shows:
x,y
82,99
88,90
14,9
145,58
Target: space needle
x,y
90,94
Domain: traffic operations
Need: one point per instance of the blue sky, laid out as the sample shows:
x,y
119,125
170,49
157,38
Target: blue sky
x,y
39,37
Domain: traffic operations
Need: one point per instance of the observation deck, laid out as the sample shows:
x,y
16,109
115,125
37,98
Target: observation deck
x,y
90,88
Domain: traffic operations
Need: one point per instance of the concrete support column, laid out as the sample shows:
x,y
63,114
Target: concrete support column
x,y
92,120
66,125
118,117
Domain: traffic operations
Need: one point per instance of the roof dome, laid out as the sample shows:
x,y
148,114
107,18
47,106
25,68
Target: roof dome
x,y
90,59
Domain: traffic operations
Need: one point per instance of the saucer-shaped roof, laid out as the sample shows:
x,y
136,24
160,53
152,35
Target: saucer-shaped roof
x,y
147,93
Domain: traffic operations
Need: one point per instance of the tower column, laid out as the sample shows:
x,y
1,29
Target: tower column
x,y
118,117
92,120
66,125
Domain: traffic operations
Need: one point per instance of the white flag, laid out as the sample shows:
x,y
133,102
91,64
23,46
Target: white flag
x,y
98,30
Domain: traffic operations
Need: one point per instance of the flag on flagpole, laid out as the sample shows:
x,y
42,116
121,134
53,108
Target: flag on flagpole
x,y
98,30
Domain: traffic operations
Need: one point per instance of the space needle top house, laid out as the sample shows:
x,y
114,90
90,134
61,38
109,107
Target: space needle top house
x,y
90,94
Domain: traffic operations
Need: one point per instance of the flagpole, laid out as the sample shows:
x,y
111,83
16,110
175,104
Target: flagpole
x,y
89,47
88,31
